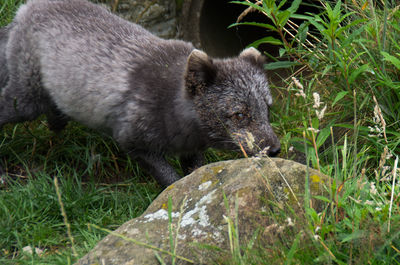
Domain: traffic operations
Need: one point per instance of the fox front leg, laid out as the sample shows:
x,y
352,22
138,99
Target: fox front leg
x,y
191,162
159,168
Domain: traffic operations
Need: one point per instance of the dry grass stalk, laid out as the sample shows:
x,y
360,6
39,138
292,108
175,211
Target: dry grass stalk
x,y
392,193
64,214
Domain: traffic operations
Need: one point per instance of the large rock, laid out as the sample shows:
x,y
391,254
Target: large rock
x,y
262,189
158,16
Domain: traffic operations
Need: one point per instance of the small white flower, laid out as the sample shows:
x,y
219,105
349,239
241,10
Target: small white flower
x,y
313,130
30,250
372,189
355,200
289,220
300,87
386,168
300,94
368,202
377,117
249,140
320,114
317,100
297,83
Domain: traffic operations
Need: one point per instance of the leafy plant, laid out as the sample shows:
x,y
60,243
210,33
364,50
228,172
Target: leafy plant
x,y
346,55
278,17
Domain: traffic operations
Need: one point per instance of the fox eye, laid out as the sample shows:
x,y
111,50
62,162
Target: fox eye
x,y
239,117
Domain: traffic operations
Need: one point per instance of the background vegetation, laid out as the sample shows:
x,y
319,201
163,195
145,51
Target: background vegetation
x,y
341,110
341,115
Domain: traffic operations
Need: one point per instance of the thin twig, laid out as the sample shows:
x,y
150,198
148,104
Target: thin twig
x,y
315,148
303,68
309,34
298,41
179,225
115,5
245,13
136,242
355,132
382,120
286,182
391,197
64,214
145,10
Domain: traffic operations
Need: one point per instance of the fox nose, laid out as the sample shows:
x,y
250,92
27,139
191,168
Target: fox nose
x,y
274,151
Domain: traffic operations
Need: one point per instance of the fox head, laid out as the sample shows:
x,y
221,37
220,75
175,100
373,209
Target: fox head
x,y
233,100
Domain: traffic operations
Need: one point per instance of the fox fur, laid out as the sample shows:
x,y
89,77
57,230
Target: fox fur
x,y
72,59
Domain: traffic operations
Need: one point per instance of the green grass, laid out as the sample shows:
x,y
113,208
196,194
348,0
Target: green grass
x,y
99,185
351,56
7,10
347,55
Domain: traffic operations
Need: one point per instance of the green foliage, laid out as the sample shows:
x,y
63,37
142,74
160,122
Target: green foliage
x,y
7,10
98,184
341,109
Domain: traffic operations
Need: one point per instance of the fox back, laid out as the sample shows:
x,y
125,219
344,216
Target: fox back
x,y
76,60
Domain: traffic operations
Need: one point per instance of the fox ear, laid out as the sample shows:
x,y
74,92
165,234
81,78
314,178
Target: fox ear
x,y
200,72
253,55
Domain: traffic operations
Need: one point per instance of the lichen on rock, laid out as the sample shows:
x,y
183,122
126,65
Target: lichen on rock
x,y
257,190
